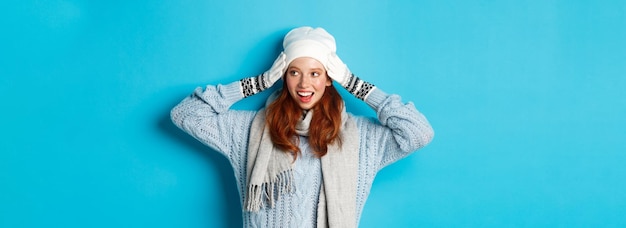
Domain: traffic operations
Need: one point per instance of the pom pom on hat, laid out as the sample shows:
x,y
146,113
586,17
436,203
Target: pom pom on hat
x,y
309,42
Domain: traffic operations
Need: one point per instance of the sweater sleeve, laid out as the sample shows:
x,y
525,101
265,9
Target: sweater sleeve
x,y
401,128
206,116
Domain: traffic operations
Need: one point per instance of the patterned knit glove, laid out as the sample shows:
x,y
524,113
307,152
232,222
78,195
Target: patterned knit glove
x,y
254,85
339,72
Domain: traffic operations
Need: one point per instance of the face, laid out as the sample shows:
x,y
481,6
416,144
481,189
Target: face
x,y
306,81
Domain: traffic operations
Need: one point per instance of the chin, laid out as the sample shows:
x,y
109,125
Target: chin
x,y
306,107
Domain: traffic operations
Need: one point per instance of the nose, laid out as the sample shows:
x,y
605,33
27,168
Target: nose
x,y
304,81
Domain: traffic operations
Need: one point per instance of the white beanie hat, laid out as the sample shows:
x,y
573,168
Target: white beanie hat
x,y
309,42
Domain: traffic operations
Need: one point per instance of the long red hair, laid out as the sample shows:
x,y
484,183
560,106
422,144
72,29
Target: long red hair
x,y
283,114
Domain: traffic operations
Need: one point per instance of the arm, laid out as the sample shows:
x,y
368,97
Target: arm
x,y
402,129
206,114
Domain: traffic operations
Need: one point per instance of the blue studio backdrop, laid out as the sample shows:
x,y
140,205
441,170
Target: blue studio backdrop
x,y
527,99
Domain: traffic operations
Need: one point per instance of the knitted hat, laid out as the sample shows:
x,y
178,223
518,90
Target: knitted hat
x,y
309,42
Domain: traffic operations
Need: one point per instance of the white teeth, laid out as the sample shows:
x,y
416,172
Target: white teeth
x,y
305,94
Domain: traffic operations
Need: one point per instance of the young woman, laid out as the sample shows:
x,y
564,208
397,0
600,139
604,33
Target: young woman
x,y
303,161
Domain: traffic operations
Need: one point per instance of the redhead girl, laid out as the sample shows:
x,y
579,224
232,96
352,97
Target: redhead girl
x,y
303,161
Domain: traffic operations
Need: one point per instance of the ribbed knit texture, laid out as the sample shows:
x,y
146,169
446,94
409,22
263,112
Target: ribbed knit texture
x,y
399,130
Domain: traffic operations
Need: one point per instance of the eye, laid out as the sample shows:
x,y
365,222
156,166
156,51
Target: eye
x,y
294,73
315,74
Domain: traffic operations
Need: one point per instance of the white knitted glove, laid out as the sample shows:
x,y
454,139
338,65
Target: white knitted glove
x,y
254,85
339,72
276,71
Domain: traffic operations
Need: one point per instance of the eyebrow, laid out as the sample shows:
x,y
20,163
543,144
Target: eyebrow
x,y
312,69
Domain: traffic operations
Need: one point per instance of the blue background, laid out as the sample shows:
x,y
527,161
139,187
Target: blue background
x,y
527,99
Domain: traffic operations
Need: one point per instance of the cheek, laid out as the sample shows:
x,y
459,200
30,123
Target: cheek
x,y
321,86
290,83
322,82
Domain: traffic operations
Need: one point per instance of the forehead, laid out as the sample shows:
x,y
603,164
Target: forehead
x,y
306,63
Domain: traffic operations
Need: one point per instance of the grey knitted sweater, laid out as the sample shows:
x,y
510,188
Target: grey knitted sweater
x,y
399,130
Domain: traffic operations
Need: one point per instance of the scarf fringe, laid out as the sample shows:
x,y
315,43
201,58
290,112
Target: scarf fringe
x,y
269,192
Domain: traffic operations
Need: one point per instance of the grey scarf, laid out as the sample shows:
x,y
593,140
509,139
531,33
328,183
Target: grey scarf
x,y
270,171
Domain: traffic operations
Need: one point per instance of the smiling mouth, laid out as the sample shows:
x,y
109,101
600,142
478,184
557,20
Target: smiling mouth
x,y
305,97
305,94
